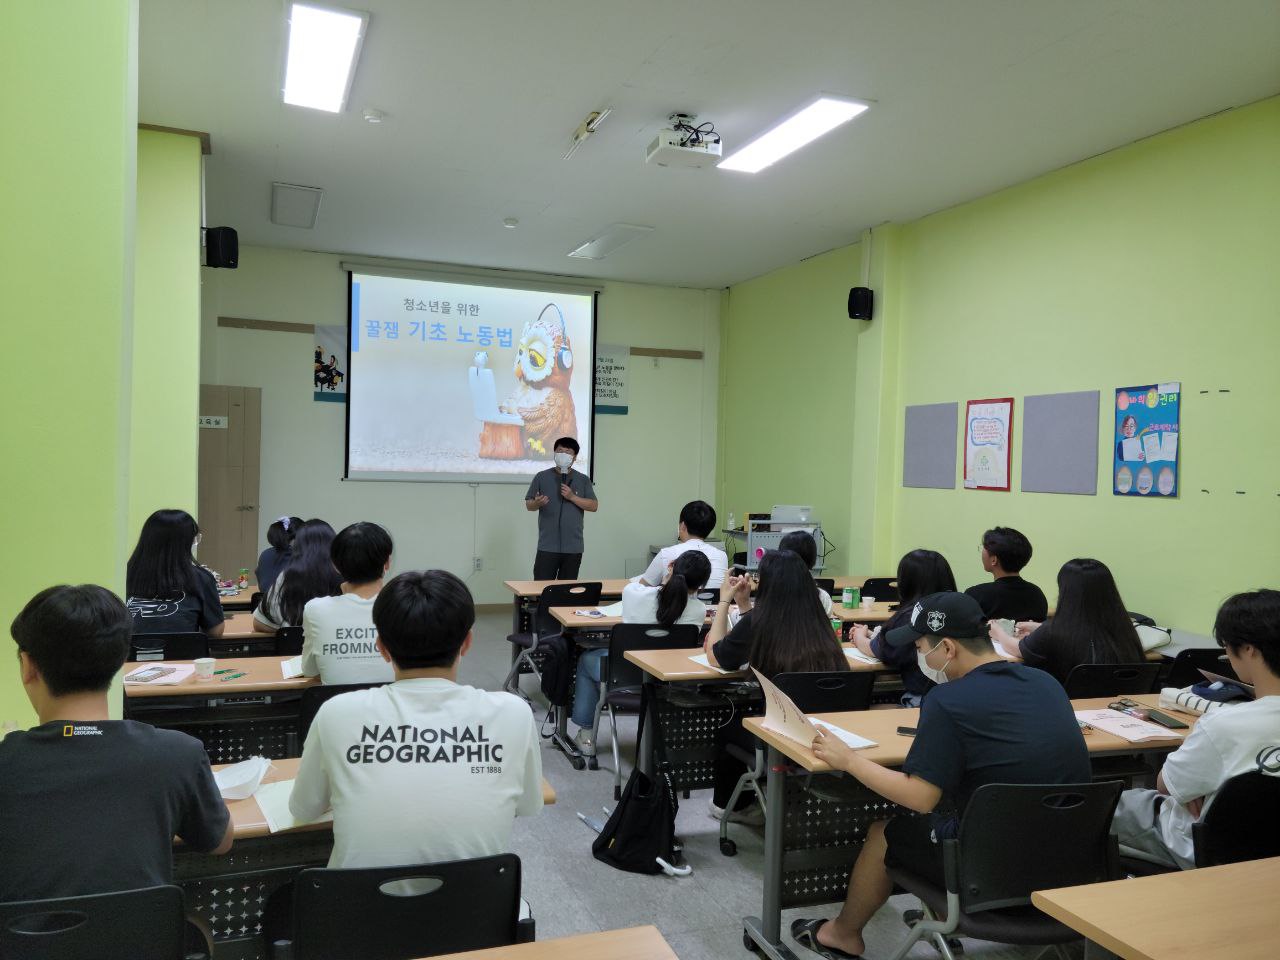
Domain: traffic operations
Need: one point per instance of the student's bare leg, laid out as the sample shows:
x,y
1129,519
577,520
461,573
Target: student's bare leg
x,y
869,889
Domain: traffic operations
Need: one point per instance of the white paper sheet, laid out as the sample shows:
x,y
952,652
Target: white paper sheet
x,y
1169,445
273,798
612,610
702,661
851,740
292,667
180,672
853,653
1151,447
240,780
1126,727
782,716
1131,449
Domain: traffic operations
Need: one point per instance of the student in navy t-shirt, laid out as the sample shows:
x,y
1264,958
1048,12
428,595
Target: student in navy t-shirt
x,y
987,721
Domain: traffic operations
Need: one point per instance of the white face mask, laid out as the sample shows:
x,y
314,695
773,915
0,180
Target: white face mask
x,y
563,460
937,676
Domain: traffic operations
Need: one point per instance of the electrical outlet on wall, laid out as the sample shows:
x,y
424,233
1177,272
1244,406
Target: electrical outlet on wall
x,y
477,564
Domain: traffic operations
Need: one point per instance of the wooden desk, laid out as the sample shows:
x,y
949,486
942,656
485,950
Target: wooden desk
x,y
262,675
240,626
878,612
239,600
250,821
674,666
612,588
634,943
1185,915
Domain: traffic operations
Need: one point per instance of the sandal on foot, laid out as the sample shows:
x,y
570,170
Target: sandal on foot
x,y
805,933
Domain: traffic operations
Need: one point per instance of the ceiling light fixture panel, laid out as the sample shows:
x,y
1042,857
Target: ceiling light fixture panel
x,y
293,205
802,127
608,240
324,45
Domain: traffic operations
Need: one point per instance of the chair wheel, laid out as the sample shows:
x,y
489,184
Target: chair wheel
x,y
593,763
957,948
912,917
749,943
578,762
729,849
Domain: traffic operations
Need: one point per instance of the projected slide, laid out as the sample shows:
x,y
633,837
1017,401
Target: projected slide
x,y
454,381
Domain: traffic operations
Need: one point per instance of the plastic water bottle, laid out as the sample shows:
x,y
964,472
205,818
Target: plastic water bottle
x,y
733,522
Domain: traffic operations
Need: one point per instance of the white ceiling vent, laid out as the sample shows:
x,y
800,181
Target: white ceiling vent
x,y
295,206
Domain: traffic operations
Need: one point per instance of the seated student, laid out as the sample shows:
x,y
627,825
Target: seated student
x,y
988,721
309,574
1090,625
168,591
697,521
337,632
89,804
273,559
806,548
1005,552
920,573
1155,825
676,601
422,769
784,632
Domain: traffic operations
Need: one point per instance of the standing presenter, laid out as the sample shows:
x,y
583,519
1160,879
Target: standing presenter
x,y
560,495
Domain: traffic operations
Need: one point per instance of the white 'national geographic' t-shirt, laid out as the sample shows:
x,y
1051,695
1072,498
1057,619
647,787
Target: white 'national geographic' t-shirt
x,y
418,771
338,641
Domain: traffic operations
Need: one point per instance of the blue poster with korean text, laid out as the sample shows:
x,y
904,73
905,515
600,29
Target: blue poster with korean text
x,y
1146,438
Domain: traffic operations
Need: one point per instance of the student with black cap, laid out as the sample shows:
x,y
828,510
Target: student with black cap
x,y
987,721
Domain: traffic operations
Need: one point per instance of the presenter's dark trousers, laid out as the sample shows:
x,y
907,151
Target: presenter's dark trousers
x,y
556,566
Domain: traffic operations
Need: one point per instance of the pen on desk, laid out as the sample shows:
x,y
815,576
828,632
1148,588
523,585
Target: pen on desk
x,y
217,673
234,676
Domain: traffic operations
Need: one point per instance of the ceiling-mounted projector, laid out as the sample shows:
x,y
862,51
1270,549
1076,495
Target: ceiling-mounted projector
x,y
684,145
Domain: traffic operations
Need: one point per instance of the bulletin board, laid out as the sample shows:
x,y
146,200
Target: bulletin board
x,y
1146,441
988,448
1060,443
929,446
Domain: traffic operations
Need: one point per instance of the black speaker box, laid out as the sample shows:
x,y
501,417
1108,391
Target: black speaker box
x,y
860,303
222,248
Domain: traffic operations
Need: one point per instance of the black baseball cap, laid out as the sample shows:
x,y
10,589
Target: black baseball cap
x,y
955,615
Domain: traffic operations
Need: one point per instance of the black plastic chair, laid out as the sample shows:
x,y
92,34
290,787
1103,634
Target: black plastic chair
x,y
621,679
884,589
826,584
1241,822
168,646
147,924
833,691
313,698
1111,679
255,600
399,913
1014,839
1186,666
709,595
525,645
288,641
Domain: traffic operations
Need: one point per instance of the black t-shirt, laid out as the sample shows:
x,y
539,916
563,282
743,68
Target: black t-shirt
x,y
94,807
732,651
196,609
1010,598
999,723
903,658
270,563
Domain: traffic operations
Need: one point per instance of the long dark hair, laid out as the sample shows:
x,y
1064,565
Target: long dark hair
x,y
789,630
310,572
161,565
690,572
922,572
1090,624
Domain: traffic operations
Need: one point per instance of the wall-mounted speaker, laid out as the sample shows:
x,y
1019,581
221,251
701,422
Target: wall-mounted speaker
x,y
860,303
222,247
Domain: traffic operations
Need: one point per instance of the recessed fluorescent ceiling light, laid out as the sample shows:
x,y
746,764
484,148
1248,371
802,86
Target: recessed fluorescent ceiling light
x,y
323,47
821,116
608,240
293,205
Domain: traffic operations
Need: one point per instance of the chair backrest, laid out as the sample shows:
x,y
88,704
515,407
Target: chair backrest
x,y
1187,665
145,924
884,589
314,697
1017,838
255,600
288,641
826,583
1111,679
168,646
583,594
828,691
1241,822
643,636
398,913
709,595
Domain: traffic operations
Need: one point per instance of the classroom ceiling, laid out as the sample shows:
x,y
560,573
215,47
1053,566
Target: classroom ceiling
x,y
482,95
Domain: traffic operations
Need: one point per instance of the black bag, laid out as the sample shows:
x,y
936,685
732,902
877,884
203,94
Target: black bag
x,y
556,669
642,827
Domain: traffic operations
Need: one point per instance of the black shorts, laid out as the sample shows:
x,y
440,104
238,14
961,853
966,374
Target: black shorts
x,y
911,847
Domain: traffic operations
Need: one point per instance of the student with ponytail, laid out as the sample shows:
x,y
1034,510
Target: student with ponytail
x,y
674,602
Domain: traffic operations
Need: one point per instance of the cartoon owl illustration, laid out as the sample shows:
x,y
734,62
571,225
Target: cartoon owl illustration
x,y
543,368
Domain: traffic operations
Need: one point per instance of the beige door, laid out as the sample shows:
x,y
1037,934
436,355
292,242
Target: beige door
x,y
230,435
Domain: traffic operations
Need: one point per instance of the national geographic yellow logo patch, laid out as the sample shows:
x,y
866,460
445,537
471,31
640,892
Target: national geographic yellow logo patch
x,y
81,730
67,730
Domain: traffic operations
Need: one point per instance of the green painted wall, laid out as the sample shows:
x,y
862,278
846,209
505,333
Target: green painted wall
x,y
166,327
788,353
68,165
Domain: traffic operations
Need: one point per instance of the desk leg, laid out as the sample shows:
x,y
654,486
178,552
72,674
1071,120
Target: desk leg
x,y
560,739
644,749
766,930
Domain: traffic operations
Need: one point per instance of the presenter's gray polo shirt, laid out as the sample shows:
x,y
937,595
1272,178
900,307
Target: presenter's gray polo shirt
x,y
560,522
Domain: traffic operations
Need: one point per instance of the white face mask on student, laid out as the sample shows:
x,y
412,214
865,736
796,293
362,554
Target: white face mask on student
x,y
937,676
563,460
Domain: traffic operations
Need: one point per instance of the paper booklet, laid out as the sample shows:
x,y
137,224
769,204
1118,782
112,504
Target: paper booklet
x,y
853,653
783,717
1127,728
292,667
702,661
273,799
172,673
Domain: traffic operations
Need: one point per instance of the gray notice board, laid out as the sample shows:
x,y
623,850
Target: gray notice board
x,y
929,446
1060,443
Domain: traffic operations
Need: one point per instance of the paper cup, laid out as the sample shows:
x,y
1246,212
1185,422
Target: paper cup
x,y
867,602
204,667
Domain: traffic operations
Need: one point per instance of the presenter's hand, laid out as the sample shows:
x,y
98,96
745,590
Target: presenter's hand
x,y
566,491
541,500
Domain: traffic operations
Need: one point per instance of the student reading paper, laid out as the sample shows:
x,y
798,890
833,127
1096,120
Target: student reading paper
x,y
987,721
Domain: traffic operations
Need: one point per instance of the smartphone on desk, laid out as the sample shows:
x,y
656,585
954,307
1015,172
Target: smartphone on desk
x,y
1173,723
906,731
